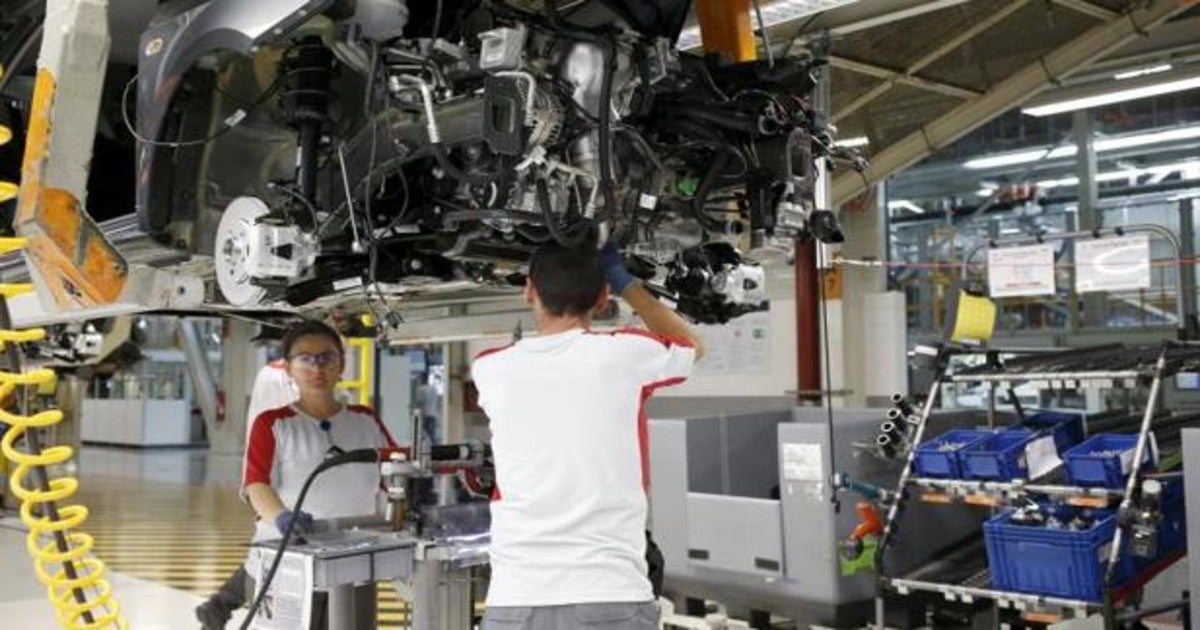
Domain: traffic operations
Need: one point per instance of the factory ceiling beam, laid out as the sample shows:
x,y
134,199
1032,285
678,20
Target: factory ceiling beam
x,y
928,58
1060,63
873,70
1087,8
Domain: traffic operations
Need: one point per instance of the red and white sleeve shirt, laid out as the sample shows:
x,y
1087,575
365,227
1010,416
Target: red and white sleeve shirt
x,y
286,444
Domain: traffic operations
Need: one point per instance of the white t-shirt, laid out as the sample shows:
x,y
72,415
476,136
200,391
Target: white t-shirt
x,y
272,388
286,444
568,426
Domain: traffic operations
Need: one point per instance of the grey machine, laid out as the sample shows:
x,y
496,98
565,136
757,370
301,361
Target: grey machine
x,y
428,543
742,506
436,576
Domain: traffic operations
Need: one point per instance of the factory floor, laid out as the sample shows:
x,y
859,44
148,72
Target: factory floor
x,y
170,527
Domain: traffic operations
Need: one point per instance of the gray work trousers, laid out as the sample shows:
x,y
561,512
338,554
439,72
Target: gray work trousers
x,y
624,616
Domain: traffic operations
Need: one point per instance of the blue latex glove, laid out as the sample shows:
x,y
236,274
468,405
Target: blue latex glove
x,y
304,522
614,270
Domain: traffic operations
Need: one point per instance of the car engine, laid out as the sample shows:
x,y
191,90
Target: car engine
x,y
419,147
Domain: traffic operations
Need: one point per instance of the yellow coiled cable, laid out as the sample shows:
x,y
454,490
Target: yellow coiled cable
x,y
81,597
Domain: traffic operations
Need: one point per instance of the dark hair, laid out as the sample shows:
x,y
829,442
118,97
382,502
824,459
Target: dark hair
x,y
568,280
310,327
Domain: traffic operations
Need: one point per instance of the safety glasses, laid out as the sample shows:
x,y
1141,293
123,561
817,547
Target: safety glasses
x,y
315,361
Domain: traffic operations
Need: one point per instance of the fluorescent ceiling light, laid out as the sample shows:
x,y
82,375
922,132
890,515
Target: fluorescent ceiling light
x,y
1141,72
985,192
904,204
1102,145
1114,96
1143,139
1019,157
1187,167
852,143
773,14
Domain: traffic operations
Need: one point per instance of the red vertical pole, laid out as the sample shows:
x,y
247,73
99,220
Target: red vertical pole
x,y
808,322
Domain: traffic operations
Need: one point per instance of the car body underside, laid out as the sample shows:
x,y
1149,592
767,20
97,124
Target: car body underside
x,y
316,153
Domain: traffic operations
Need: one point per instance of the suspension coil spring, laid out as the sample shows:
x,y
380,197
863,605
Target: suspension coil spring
x,y
307,69
62,558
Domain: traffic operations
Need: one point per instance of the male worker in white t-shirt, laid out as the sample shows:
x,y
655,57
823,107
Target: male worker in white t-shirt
x,y
567,415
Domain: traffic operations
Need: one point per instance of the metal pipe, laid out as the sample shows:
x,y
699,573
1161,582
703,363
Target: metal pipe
x,y
1037,600
431,127
762,31
1045,376
997,486
357,245
1138,453
1153,610
894,510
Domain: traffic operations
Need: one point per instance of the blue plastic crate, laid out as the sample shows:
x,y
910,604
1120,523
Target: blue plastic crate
x,y
1060,562
1097,462
1067,428
938,458
1052,562
998,457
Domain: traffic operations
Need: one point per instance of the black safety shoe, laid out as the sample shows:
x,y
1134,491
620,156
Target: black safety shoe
x,y
213,615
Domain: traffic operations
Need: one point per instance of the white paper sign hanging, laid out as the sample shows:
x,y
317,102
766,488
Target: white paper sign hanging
x,y
1113,264
1015,271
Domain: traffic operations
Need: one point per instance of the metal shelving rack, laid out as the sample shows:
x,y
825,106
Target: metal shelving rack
x,y
953,575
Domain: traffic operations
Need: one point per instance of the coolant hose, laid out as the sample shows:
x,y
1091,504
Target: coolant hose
x,y
703,190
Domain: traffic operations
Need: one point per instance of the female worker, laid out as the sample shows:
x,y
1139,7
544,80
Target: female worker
x,y
288,442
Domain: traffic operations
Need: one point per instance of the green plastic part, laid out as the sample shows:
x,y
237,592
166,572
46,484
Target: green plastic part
x,y
865,560
687,186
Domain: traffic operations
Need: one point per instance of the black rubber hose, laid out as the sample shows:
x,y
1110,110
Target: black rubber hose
x,y
537,235
702,191
605,132
557,232
643,69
